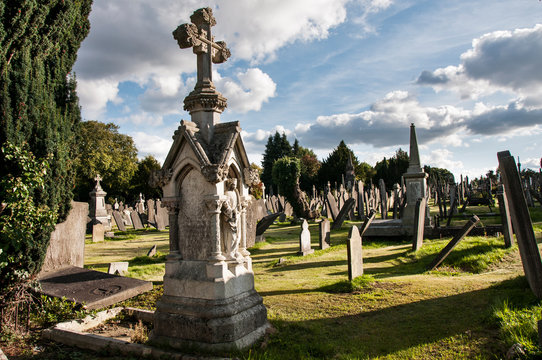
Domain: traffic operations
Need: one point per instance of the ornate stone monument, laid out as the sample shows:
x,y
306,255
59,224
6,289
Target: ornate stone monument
x,y
416,183
209,298
97,210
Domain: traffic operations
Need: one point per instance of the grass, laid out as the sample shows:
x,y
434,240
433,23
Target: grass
x,y
474,306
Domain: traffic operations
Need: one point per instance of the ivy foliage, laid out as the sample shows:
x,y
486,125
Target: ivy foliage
x,y
39,115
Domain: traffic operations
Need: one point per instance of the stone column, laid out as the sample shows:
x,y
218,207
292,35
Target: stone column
x,y
214,203
172,205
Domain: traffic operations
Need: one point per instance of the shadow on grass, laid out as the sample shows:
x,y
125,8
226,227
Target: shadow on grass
x,y
307,265
466,316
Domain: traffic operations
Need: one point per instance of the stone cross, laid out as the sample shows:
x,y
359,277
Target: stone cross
x,y
98,178
198,36
204,103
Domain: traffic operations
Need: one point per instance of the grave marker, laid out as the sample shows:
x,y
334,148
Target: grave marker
x,y
118,268
98,232
506,221
331,206
338,221
305,240
355,259
419,224
521,221
324,234
136,220
452,244
119,221
152,251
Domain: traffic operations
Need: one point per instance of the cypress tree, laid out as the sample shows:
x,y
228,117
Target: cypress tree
x,y
39,112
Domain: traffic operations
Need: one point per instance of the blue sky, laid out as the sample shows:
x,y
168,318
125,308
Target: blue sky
x,y
468,74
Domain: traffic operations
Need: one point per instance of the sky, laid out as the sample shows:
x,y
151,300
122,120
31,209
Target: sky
x,y
467,73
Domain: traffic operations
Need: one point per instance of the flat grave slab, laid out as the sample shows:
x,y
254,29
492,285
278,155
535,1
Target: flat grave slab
x,y
93,288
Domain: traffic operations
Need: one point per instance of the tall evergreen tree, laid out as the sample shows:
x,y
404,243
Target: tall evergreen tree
x,y
334,166
39,111
277,147
391,170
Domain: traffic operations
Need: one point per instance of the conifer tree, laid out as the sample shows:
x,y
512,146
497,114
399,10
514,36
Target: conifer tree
x,y
39,112
277,147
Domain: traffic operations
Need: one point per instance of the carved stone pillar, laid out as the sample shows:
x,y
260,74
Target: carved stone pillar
x,y
172,204
245,201
214,203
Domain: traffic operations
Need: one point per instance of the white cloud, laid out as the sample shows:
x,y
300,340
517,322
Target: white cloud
x,y
152,145
95,94
255,87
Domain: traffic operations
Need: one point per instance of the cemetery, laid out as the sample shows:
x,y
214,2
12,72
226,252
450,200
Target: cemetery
x,y
218,258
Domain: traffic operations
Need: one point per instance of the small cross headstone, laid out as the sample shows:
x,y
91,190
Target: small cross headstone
x,y
324,234
355,259
305,240
152,251
118,268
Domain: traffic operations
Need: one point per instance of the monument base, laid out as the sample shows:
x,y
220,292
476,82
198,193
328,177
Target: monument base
x,y
213,325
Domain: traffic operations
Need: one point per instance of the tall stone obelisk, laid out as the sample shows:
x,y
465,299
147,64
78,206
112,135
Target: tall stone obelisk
x,y
209,298
416,183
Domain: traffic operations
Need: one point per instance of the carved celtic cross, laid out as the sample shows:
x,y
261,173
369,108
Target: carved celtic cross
x,y
198,36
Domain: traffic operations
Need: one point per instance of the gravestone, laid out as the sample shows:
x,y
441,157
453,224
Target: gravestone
x,y
505,217
331,206
255,212
119,220
95,289
419,224
152,251
160,222
67,244
151,211
452,244
355,259
324,234
361,201
136,220
348,205
98,232
209,299
383,201
521,221
97,209
265,223
162,211
305,239
118,268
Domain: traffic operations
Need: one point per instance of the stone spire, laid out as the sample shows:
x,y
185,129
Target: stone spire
x,y
204,103
414,165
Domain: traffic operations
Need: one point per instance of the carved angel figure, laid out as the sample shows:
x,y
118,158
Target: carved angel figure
x,y
230,224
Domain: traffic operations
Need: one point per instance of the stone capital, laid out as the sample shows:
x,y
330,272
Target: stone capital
x,y
214,203
172,203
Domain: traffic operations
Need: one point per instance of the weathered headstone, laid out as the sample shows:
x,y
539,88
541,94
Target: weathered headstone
x,y
95,289
355,259
97,209
348,205
118,268
419,225
136,220
98,232
265,223
324,234
152,251
452,244
506,220
151,212
305,239
521,221
331,206
119,220
67,243
160,222
367,222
